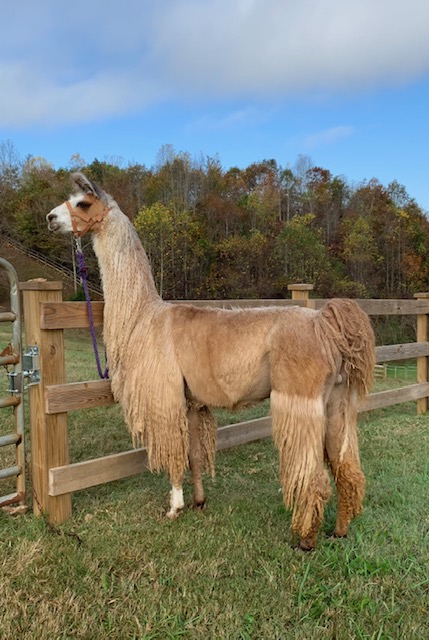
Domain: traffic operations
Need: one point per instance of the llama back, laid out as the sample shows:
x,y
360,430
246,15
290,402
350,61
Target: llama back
x,y
352,333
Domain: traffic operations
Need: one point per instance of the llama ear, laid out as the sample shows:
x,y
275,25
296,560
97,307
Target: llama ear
x,y
87,186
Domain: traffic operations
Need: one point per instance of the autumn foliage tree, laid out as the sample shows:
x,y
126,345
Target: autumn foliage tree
x,y
172,242
300,255
212,232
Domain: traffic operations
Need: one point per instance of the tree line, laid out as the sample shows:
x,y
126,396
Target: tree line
x,y
212,232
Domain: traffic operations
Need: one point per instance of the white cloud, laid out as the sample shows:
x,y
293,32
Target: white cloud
x,y
79,61
328,136
233,119
34,98
282,47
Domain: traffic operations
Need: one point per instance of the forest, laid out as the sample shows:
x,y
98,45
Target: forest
x,y
214,233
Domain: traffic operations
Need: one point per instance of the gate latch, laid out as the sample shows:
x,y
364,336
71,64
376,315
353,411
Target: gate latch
x,y
31,365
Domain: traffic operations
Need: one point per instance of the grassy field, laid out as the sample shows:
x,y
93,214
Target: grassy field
x,y
119,569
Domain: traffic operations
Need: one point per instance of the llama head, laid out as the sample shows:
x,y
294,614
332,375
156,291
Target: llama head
x,y
83,212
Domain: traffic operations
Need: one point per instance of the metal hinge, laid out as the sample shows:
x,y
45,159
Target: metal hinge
x,y
30,371
15,382
31,365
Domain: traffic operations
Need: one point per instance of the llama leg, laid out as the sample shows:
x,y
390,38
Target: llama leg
x,y
319,494
202,448
196,458
342,451
201,454
298,432
177,502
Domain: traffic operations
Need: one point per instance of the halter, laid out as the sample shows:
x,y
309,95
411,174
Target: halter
x,y
87,217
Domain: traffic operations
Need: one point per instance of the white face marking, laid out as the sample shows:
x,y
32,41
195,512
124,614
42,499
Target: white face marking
x,y
59,218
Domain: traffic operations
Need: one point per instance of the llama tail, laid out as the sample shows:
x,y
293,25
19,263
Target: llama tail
x,y
351,331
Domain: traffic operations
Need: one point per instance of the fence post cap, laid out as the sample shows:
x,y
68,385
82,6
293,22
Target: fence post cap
x,y
300,287
40,284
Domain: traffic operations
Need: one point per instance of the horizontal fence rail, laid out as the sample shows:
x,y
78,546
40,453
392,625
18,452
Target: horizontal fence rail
x,y
73,396
56,397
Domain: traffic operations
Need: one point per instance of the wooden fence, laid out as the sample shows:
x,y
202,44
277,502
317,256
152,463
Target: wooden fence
x,y
46,316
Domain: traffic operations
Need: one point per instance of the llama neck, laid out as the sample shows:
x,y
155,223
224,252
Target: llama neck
x,y
127,280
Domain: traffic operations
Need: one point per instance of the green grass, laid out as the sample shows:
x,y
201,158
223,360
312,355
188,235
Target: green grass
x,y
119,569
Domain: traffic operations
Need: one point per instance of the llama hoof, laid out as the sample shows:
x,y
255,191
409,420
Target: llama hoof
x,y
173,514
199,506
306,544
335,535
303,546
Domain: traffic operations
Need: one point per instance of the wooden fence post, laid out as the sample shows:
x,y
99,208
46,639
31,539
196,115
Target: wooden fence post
x,y
301,291
422,362
49,433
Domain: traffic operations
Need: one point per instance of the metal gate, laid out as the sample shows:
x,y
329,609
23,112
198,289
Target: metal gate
x,y
11,357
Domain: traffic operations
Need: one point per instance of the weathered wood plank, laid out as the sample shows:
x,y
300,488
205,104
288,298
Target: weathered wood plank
x,y
40,284
401,351
69,315
395,396
49,433
386,307
242,304
74,315
372,307
83,475
71,396
91,473
422,363
95,393
236,434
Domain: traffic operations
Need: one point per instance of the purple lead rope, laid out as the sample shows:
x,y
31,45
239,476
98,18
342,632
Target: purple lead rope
x,y
83,272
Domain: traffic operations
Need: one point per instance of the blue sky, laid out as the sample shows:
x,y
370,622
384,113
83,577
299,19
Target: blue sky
x,y
345,82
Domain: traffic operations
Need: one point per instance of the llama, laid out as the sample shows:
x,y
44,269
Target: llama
x,y
170,364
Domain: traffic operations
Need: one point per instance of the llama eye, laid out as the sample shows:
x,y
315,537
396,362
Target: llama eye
x,y
83,205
